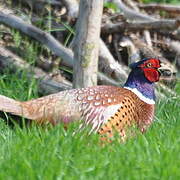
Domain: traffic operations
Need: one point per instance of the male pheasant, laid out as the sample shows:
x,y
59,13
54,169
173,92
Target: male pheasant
x,y
107,109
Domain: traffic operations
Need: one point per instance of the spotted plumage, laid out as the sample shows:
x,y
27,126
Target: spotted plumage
x,y
107,109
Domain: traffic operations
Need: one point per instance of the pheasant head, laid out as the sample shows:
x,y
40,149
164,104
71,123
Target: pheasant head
x,y
142,78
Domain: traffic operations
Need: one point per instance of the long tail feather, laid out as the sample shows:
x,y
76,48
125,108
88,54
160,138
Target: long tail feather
x,y
10,105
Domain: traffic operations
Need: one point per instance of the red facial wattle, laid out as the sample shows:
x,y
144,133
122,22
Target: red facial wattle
x,y
151,74
150,69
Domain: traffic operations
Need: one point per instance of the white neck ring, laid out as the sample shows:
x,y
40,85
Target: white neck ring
x,y
140,95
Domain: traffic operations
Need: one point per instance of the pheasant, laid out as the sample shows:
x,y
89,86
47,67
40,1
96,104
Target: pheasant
x,y
107,109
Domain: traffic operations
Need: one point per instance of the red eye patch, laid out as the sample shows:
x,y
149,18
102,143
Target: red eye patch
x,y
155,63
151,74
150,69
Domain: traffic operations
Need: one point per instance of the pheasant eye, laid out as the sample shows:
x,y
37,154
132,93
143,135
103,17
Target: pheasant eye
x,y
148,65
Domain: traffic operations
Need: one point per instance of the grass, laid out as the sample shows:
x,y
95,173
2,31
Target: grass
x,y
52,153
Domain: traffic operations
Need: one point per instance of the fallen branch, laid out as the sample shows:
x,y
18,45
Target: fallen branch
x,y
164,7
45,38
165,24
46,84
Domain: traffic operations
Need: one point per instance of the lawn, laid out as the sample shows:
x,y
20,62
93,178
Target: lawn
x,y
52,153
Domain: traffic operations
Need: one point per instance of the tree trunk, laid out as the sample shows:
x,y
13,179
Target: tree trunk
x,y
86,44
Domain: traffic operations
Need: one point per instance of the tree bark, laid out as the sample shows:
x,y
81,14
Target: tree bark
x,y
86,43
